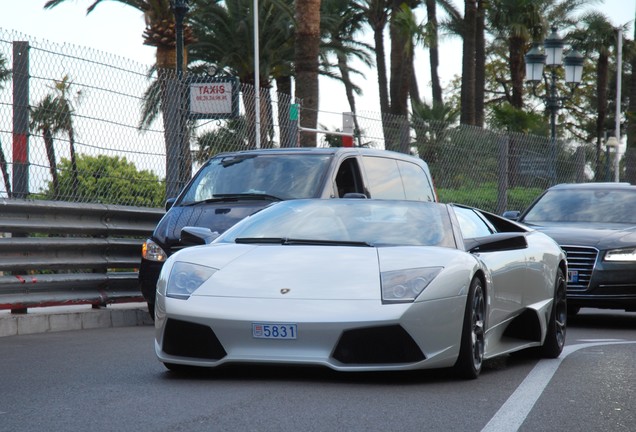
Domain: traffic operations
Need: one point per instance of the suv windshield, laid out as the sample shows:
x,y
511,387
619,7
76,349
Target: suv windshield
x,y
592,205
285,176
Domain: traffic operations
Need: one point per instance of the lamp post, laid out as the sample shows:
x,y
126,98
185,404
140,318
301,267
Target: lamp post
x,y
180,8
553,59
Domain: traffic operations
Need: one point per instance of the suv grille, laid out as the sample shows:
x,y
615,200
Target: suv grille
x,y
580,260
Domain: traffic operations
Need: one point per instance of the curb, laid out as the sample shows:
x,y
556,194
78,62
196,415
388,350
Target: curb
x,y
65,318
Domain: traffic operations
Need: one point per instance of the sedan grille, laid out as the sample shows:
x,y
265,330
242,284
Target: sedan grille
x,y
581,261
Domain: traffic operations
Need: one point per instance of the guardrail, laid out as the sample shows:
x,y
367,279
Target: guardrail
x,y
56,253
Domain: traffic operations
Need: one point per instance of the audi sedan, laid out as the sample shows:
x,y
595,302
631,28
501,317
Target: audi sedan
x,y
359,285
595,223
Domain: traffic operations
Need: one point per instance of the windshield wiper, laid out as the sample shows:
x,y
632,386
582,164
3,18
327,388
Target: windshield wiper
x,y
249,196
326,242
308,242
234,197
269,240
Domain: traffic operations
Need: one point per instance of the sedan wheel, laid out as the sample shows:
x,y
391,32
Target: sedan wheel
x,y
471,352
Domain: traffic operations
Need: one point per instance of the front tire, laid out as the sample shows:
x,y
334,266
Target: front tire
x,y
471,352
557,326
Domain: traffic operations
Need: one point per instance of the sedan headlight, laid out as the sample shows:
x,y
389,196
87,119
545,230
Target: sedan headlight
x,y
185,278
403,286
151,251
625,254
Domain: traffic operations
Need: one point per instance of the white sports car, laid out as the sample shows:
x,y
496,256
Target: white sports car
x,y
360,285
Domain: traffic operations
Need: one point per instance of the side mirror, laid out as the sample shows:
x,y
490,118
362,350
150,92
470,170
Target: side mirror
x,y
496,243
354,195
512,214
191,235
169,203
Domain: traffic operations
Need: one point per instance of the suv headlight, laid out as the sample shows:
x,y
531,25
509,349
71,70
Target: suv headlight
x,y
625,254
403,286
151,251
185,278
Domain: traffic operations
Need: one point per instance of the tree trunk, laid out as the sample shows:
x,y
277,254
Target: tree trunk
x,y
400,65
5,173
74,172
47,135
517,49
307,46
480,63
630,154
433,51
602,78
467,115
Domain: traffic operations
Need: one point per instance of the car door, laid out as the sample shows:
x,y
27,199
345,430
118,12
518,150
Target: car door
x,y
509,267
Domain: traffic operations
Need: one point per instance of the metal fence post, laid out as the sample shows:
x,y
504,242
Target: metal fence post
x,y
20,119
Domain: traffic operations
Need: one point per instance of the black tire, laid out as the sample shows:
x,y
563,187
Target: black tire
x,y
151,310
471,352
573,310
557,326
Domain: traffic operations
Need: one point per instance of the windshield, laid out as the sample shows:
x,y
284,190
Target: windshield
x,y
349,221
591,205
284,176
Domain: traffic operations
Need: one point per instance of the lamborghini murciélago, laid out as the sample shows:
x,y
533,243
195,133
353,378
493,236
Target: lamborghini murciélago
x,y
360,285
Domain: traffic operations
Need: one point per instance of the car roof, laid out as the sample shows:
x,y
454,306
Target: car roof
x,y
593,186
322,150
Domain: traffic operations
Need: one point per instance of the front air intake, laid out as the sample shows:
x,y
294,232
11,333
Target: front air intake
x,y
186,339
377,345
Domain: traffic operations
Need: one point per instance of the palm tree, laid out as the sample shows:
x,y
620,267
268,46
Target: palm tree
x,y
5,74
46,119
307,50
376,13
225,38
66,110
160,33
341,23
597,35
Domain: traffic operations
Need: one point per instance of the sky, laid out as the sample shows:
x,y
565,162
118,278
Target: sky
x,y
115,28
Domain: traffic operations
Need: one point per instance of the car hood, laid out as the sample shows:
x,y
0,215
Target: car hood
x,y
291,272
599,236
218,216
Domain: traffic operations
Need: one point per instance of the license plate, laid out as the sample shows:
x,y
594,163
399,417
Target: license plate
x,y
274,331
573,276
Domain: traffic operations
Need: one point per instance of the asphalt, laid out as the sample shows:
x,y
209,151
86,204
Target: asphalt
x,y
65,318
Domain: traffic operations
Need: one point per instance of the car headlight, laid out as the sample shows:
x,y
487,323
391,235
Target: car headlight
x,y
151,251
403,286
625,254
185,278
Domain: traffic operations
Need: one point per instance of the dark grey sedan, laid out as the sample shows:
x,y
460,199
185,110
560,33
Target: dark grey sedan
x,y
595,223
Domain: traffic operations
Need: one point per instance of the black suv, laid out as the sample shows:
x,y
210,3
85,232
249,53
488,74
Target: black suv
x,y
231,186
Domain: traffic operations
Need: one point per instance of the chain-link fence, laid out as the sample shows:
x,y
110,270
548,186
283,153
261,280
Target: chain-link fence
x,y
80,125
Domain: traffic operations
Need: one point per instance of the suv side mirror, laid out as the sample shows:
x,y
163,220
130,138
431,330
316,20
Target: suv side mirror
x,y
169,203
192,235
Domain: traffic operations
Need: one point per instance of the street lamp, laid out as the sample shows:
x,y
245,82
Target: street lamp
x,y
180,8
553,58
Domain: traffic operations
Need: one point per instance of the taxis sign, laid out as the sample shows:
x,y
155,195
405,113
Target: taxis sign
x,y
216,98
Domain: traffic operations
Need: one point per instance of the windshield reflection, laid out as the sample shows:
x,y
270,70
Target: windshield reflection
x,y
374,222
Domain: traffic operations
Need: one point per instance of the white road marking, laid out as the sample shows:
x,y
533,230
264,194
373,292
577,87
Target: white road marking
x,y
515,410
